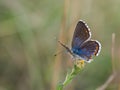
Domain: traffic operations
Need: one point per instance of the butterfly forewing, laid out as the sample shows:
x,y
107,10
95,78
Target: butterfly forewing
x,y
81,34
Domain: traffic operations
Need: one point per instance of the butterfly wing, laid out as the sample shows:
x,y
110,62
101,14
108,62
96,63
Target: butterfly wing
x,y
89,49
81,34
82,45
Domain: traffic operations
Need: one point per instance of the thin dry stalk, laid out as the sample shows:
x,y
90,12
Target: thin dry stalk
x,y
119,67
57,65
112,52
112,76
109,80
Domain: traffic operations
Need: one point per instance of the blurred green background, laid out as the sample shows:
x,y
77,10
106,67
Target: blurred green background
x,y
29,31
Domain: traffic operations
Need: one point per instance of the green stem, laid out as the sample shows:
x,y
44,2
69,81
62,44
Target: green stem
x,y
69,77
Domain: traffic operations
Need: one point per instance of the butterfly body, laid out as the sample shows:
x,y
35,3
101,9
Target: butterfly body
x,y
79,54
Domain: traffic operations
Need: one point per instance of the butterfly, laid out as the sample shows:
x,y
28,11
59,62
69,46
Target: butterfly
x,y
82,46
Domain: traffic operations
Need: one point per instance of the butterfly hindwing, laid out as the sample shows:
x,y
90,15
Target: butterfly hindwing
x,y
89,49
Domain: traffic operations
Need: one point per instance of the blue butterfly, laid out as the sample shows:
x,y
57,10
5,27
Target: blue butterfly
x,y
83,47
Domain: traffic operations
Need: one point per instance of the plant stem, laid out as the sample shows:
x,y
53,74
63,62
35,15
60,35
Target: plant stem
x,y
69,77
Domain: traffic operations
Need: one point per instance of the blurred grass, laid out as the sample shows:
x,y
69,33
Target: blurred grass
x,y
27,42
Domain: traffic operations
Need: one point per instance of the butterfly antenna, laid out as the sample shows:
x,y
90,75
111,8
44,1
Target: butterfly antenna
x,y
66,47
